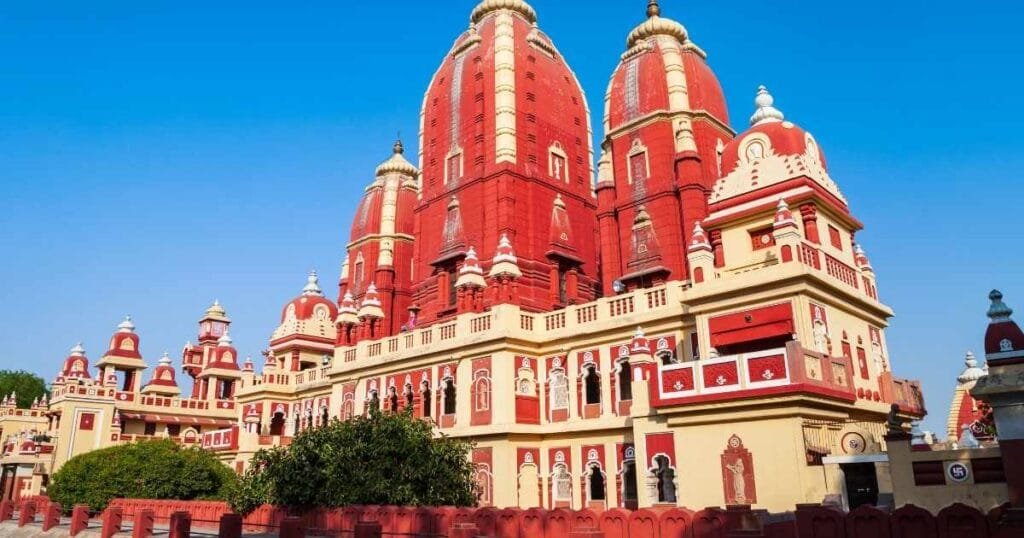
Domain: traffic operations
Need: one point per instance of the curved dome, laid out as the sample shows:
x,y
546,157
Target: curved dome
x,y
305,306
671,71
487,6
778,137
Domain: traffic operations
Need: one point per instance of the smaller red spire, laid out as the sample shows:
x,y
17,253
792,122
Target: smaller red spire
x,y
505,262
371,306
699,241
860,257
783,216
639,344
471,274
347,312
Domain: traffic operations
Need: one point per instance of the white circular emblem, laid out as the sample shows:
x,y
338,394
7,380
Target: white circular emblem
x,y
958,472
592,455
623,351
447,371
662,344
528,457
735,442
560,456
526,363
721,380
630,453
557,363
588,356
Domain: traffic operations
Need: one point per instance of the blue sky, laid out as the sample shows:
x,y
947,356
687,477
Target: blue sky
x,y
157,155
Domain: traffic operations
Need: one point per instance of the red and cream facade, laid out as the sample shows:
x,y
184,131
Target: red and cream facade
x,y
697,327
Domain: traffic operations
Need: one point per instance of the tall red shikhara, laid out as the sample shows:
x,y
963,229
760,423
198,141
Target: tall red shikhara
x,y
665,122
505,150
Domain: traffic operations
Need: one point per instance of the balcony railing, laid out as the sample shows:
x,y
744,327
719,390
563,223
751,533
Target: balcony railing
x,y
748,373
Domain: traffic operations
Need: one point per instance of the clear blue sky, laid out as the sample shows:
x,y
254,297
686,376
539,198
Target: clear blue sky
x,y
157,155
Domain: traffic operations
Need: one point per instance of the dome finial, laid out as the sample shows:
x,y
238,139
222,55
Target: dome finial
x,y
998,311
766,111
398,147
653,9
312,284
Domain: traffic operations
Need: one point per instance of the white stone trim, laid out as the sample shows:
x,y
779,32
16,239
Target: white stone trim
x,y
505,88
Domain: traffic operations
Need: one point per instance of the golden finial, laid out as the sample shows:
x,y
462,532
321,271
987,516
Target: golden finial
x,y
399,148
653,9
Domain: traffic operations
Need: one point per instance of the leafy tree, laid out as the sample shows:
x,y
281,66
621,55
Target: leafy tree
x,y
383,458
29,386
157,469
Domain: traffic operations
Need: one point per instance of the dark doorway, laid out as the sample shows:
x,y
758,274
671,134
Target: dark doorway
x,y
861,484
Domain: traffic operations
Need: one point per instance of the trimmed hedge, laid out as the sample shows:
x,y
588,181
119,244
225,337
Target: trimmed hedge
x,y
145,470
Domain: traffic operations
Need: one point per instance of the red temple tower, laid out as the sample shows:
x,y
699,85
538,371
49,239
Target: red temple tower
x,y
505,151
665,123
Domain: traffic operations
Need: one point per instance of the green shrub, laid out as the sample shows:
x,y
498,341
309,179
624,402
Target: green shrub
x,y
144,470
384,458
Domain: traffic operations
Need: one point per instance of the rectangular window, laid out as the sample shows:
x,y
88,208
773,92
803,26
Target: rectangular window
x,y
558,167
762,239
638,167
833,235
87,421
454,168
150,428
174,430
862,362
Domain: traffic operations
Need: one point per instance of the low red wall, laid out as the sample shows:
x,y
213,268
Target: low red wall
x,y
809,521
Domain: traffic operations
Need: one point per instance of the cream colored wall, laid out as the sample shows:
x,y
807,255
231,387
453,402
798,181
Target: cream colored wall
x,y
736,244
71,440
934,498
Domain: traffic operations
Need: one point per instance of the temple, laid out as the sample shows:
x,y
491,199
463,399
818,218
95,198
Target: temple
x,y
685,325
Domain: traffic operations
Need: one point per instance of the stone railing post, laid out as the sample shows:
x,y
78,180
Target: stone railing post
x,y
52,517
28,513
111,522
180,525
79,519
142,525
230,526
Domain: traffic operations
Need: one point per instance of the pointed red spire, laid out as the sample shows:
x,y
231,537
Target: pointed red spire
x,y
783,216
700,239
471,273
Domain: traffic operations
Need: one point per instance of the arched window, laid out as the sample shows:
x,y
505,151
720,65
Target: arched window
x,y
629,481
482,392
449,396
374,401
277,424
625,381
562,484
425,398
392,399
595,490
666,480
559,389
592,382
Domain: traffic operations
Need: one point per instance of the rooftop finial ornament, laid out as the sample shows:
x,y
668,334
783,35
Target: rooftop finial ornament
x,y
766,111
398,147
653,9
998,311
312,284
